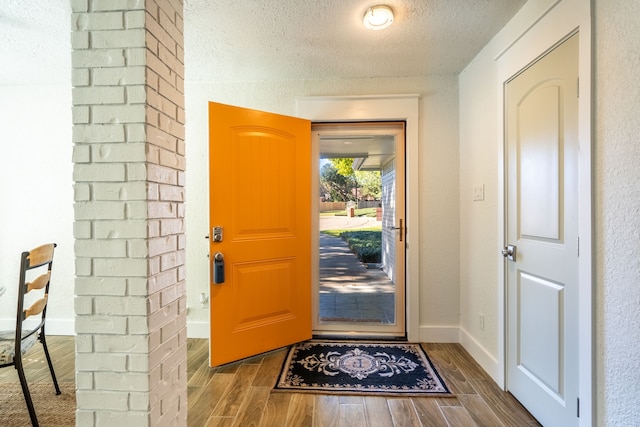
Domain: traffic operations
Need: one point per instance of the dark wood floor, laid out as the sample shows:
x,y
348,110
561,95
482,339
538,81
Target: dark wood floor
x,y
238,394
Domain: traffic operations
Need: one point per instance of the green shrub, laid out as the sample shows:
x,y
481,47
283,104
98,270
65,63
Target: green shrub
x,y
366,245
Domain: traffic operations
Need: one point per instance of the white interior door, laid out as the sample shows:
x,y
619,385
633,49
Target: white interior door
x,y
542,223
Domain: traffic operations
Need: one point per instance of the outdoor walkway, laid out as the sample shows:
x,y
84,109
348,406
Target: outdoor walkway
x,y
349,292
346,223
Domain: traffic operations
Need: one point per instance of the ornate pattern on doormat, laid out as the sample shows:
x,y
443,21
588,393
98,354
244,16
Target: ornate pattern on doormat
x,y
352,367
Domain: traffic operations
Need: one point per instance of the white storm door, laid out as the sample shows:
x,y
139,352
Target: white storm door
x,y
542,223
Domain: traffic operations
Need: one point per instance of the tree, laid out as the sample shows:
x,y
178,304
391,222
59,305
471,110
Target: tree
x,y
365,183
370,183
343,166
335,184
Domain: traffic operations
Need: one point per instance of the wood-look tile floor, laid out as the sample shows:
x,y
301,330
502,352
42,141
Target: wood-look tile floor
x,y
238,394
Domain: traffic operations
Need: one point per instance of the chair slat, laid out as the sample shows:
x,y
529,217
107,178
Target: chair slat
x,y
41,255
40,282
36,307
40,258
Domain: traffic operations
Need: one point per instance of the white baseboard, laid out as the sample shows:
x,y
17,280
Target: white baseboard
x,y
61,327
7,324
439,334
482,356
54,326
197,329
68,327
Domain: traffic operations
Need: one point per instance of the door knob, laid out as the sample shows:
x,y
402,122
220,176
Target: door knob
x,y
218,268
509,252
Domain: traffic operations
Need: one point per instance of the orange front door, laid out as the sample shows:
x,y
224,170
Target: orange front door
x,y
259,194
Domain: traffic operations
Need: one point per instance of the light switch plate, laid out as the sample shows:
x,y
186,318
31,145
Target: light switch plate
x,y
478,192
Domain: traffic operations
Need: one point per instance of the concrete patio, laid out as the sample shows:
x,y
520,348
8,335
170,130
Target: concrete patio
x,y
350,292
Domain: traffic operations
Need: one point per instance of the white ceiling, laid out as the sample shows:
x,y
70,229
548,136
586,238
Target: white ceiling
x,y
373,145
255,40
35,46
373,151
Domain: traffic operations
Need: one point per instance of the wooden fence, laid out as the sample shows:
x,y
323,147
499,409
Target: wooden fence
x,y
340,206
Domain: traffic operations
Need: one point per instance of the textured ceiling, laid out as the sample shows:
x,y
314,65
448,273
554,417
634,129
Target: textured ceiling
x,y
35,46
254,40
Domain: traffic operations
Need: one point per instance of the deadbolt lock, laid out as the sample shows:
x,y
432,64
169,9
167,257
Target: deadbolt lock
x,y
217,234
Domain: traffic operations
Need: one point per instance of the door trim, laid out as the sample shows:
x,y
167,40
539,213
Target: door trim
x,y
383,108
558,22
398,329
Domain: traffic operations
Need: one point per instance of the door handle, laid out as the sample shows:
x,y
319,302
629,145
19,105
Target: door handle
x,y
509,252
401,228
218,268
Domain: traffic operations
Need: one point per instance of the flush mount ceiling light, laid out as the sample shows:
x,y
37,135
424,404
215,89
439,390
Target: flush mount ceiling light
x,y
378,17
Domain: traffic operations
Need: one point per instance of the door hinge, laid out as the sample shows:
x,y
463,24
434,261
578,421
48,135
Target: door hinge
x,y
578,407
578,239
578,87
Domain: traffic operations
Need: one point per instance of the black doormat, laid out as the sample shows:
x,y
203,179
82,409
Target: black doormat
x,y
348,367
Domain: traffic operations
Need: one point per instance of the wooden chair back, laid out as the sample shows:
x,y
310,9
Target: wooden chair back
x,y
35,276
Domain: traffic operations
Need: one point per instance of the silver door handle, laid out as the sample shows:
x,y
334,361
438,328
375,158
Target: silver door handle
x,y
509,252
401,228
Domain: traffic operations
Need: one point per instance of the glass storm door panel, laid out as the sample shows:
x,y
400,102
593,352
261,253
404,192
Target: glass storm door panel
x,y
361,229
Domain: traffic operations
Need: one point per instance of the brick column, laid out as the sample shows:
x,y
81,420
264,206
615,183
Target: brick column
x,y
129,175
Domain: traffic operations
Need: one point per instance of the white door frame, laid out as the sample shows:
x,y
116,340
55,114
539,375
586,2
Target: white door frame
x,y
381,108
396,129
558,21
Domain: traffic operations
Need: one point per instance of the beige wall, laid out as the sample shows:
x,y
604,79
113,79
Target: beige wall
x,y
37,194
480,165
